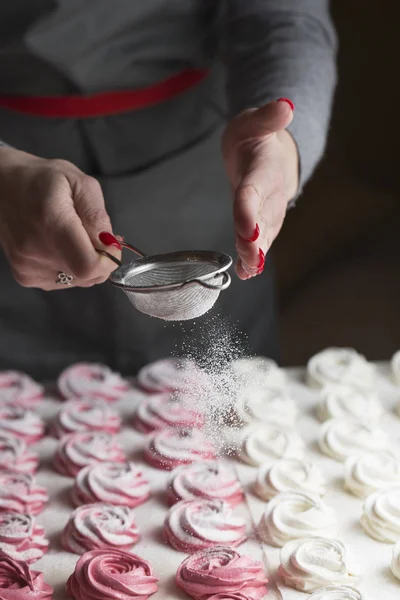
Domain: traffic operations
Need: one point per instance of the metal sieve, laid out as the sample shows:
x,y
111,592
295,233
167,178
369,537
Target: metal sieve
x,y
175,287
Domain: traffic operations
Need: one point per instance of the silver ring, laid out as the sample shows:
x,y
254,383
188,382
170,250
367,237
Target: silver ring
x,y
64,279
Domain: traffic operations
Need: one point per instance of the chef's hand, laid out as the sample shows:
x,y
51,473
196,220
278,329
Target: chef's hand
x,y
262,163
51,217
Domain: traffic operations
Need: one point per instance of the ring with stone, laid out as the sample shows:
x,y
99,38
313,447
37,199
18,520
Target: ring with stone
x,y
64,279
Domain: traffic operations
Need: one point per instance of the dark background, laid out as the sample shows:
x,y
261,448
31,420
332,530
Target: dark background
x,y
338,256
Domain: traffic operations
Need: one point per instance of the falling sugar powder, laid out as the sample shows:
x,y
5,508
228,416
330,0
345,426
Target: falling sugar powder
x,y
215,345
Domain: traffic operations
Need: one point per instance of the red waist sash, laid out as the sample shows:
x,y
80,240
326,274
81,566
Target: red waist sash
x,y
106,103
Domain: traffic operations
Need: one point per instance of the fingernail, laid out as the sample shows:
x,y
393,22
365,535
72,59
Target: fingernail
x,y
255,235
291,104
261,261
108,239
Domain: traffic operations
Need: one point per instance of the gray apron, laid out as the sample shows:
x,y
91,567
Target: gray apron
x,y
165,187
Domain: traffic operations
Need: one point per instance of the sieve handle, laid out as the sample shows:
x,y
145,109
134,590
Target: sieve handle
x,y
226,282
124,245
132,249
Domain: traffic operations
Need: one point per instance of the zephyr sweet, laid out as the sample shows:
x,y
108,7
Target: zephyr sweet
x,y
221,570
338,592
170,448
270,405
168,375
14,454
115,483
193,525
293,515
395,564
340,365
19,493
312,563
86,415
395,367
210,480
23,424
98,526
78,450
160,411
18,582
340,438
370,472
289,474
107,574
262,443
257,372
346,402
21,537
91,380
381,515
19,390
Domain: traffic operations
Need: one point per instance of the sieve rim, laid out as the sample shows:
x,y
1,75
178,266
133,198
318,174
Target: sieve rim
x,y
221,261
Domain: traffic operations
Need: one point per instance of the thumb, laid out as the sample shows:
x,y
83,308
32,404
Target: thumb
x,y
270,118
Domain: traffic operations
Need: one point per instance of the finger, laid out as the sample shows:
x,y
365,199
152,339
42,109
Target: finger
x,y
241,271
249,253
258,122
90,207
246,206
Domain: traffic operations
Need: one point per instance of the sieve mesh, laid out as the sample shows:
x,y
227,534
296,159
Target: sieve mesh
x,y
168,273
162,286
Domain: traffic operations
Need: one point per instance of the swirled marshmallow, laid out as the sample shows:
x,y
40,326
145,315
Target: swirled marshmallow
x,y
86,415
295,515
111,574
91,380
270,405
338,592
18,582
228,596
221,570
346,402
258,372
193,525
170,448
369,472
14,454
168,375
19,390
79,450
262,443
340,365
97,526
381,515
395,367
311,563
21,537
340,438
289,474
209,480
395,564
23,424
19,493
113,483
160,411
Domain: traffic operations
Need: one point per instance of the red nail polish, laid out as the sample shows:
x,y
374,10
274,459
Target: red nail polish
x,y
255,235
261,261
291,104
108,239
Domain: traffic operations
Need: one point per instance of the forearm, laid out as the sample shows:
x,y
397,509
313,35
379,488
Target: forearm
x,y
284,49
